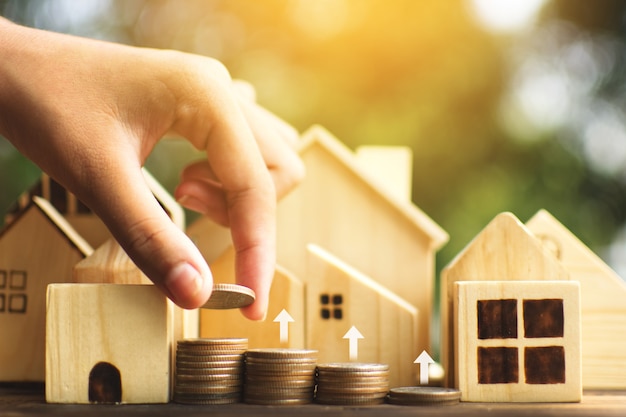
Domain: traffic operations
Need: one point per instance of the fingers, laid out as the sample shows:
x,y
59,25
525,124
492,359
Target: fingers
x,y
164,253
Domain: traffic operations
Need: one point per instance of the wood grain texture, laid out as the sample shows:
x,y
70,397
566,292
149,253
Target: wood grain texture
x,y
537,358
127,326
505,250
603,303
387,322
37,248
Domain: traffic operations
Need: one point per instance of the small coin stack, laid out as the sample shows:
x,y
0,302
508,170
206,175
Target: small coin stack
x,y
423,396
280,376
352,383
209,371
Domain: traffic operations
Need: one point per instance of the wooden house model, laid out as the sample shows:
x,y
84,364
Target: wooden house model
x,y
340,297
37,248
505,250
603,303
341,208
108,343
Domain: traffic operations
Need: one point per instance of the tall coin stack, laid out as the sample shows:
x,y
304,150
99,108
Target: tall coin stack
x,y
280,376
352,383
209,371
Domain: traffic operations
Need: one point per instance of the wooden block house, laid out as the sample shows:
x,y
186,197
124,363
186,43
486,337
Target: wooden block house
x,y
342,209
37,247
505,250
339,297
108,343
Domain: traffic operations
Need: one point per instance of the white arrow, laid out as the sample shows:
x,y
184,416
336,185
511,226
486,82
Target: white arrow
x,y
284,319
424,360
354,335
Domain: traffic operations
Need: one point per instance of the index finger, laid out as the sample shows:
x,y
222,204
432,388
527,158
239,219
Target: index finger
x,y
213,121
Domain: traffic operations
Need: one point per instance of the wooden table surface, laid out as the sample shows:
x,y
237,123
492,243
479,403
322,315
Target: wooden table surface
x,y
28,400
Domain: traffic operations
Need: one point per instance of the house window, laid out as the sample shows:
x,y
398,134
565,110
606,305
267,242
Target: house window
x,y
517,341
498,319
331,306
13,297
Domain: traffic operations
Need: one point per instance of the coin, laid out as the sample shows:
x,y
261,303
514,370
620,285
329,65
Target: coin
x,y
225,296
423,396
282,353
209,371
280,376
352,383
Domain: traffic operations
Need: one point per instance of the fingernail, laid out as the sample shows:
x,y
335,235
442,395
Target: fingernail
x,y
183,282
192,204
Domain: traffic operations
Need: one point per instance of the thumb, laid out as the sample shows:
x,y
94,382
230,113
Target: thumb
x,y
156,245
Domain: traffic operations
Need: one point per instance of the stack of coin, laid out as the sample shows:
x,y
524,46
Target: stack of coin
x,y
352,383
209,371
280,376
423,396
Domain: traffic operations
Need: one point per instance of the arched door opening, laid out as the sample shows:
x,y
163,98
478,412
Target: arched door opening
x,y
105,384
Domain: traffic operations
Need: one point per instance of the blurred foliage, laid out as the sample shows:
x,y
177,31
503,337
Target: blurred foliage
x,y
418,73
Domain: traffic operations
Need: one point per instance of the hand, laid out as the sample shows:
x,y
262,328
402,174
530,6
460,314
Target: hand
x,y
90,112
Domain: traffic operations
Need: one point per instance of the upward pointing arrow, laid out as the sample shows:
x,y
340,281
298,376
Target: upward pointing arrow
x,y
284,319
424,360
353,335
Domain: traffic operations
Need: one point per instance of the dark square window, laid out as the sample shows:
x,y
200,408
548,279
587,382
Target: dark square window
x,y
324,299
543,318
17,303
497,319
544,365
2,303
497,365
337,299
325,313
3,279
17,280
338,313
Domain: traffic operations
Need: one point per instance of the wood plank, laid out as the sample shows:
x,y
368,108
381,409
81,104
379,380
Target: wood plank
x,y
28,401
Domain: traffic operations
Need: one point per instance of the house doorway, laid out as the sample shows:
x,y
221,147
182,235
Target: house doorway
x,y
105,384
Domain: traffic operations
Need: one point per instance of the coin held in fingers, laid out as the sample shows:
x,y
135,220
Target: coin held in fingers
x,y
226,296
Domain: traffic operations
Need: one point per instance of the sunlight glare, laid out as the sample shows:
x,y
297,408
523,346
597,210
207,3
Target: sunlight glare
x,y
505,15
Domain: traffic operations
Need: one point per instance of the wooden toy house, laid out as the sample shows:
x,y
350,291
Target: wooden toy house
x,y
341,208
108,343
603,303
505,250
339,297
518,341
37,247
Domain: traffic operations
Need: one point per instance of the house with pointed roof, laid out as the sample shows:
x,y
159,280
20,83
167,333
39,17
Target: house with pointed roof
x,y
505,250
603,303
341,208
37,247
340,297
